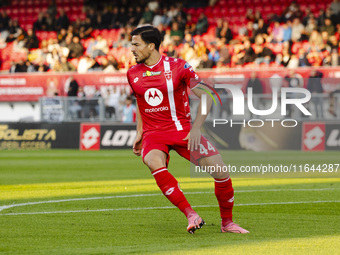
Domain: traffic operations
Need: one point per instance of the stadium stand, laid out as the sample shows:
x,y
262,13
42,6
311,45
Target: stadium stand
x,y
307,29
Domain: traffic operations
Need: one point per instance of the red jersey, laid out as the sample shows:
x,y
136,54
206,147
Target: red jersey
x,y
162,93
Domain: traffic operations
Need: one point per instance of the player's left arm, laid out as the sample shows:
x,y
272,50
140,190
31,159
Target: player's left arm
x,y
194,136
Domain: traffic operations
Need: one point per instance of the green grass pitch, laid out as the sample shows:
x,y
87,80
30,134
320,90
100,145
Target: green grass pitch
x,y
106,202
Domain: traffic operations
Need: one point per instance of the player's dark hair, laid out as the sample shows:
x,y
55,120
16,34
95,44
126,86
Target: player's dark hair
x,y
149,34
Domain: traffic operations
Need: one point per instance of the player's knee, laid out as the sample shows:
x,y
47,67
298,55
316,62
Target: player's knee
x,y
220,174
153,163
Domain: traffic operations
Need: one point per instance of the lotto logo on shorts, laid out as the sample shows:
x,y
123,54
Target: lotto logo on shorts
x,y
313,137
89,137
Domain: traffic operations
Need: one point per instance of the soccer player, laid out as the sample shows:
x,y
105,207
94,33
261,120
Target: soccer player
x,y
160,85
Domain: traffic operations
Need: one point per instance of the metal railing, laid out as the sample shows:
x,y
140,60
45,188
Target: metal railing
x,y
75,109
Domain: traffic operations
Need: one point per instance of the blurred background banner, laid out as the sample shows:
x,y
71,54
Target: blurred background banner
x,y
30,87
39,136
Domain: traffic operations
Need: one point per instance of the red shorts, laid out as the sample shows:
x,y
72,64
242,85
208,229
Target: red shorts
x,y
173,140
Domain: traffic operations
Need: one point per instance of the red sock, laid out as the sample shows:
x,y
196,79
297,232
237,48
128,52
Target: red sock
x,y
225,195
170,188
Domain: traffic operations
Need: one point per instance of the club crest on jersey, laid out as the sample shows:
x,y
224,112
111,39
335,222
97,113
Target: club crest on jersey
x,y
150,73
187,65
168,75
153,96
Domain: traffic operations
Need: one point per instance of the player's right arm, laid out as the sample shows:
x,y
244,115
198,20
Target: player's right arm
x,y
137,145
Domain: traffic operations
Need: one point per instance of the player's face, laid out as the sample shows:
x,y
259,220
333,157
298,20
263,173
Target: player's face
x,y
139,49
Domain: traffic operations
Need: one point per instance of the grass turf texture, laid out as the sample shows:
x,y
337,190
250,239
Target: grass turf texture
x,y
33,176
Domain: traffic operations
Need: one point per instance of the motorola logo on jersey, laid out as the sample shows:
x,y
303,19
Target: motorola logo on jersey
x,y
153,97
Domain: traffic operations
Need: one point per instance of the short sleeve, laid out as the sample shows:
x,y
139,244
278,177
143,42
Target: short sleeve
x,y
190,77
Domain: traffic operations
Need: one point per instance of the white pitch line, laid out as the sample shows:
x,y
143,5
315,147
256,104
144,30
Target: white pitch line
x,y
165,207
4,207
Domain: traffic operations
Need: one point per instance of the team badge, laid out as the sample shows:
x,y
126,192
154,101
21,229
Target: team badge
x,y
187,65
168,75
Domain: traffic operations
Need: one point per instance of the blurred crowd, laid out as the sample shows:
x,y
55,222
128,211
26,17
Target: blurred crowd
x,y
294,38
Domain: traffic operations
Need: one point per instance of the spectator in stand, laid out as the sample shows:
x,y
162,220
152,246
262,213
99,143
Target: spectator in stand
x,y
334,97
294,62
147,16
302,55
287,31
181,22
313,56
31,41
247,54
61,35
153,5
294,80
283,58
129,111
277,33
176,34
188,39
167,38
255,83
106,18
157,18
315,87
76,48
85,64
112,61
137,16
187,52
52,8
214,55
14,30
107,67
171,51
190,25
30,67
62,21
223,31
73,88
263,55
246,32
56,67
223,50
206,62
4,21
122,18
42,67
297,30
328,27
292,11
172,12
165,18
50,21
40,24
52,58
202,24
112,103
18,67
262,28
315,38
333,43
335,7
93,17
311,26
115,18
66,66
100,48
